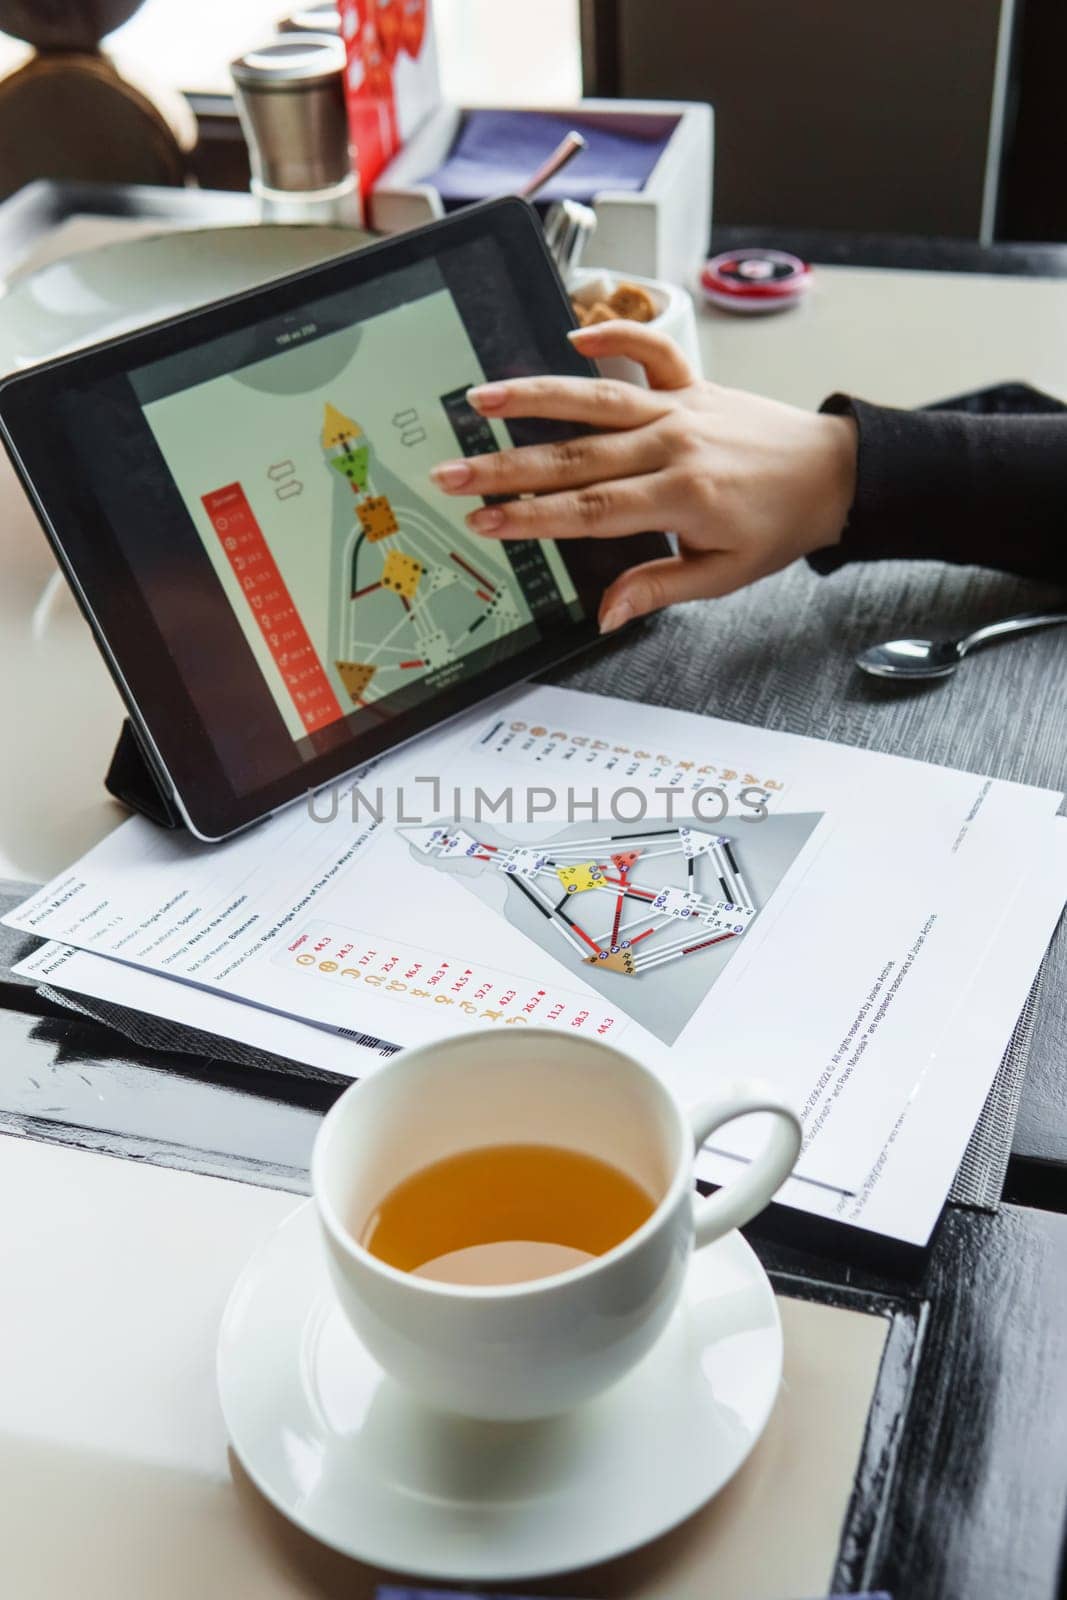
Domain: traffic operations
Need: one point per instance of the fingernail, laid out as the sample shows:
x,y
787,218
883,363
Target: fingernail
x,y
615,616
487,396
487,520
451,474
582,333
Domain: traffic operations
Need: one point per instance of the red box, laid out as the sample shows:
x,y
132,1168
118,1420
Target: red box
x,y
392,82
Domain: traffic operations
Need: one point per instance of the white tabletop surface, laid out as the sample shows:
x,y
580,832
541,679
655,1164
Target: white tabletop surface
x,y
897,337
115,1482
59,711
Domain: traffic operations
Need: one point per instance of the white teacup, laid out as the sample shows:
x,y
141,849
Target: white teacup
x,y
519,1350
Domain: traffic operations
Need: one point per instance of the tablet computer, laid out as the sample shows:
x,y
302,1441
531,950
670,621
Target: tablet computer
x,y
240,498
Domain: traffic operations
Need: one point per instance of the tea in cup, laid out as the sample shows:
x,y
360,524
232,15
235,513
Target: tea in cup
x,y
508,1220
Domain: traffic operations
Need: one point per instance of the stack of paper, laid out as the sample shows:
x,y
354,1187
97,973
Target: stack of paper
x,y
720,901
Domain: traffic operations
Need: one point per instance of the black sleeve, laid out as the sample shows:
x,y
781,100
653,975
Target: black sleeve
x,y
948,486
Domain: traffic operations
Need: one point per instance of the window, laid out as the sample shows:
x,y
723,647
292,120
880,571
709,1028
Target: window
x,y
505,52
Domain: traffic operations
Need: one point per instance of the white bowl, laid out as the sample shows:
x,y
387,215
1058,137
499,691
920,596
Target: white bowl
x,y
676,316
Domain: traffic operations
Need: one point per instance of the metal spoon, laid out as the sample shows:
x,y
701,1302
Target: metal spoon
x,y
939,658
572,144
568,227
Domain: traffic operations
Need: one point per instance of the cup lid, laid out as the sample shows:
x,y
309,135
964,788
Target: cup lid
x,y
312,19
292,61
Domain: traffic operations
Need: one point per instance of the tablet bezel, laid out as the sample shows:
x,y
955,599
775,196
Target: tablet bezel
x,y
175,737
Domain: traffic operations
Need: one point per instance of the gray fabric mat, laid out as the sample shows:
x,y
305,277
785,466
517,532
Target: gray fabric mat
x,y
980,1179
780,654
156,1033
15,946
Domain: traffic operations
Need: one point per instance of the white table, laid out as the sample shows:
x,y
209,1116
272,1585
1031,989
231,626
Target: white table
x,y
113,1474
897,338
115,1483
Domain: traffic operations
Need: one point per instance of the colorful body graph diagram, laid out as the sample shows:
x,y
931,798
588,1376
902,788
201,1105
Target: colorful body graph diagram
x,y
607,898
649,915
412,598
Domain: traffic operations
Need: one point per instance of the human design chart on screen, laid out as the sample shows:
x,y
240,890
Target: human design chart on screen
x,y
307,477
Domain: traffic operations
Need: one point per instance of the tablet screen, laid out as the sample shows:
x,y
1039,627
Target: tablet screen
x,y
242,500
303,456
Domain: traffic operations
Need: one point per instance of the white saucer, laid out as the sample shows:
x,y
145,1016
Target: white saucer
x,y
361,1466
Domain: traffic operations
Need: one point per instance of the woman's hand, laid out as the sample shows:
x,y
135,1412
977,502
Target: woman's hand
x,y
747,484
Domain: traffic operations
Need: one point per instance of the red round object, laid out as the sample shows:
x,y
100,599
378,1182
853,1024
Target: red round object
x,y
755,280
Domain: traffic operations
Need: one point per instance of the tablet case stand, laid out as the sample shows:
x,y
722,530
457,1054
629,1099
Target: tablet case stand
x,y
131,778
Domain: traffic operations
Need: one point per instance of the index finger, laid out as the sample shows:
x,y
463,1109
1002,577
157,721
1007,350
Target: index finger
x,y
600,402
665,364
